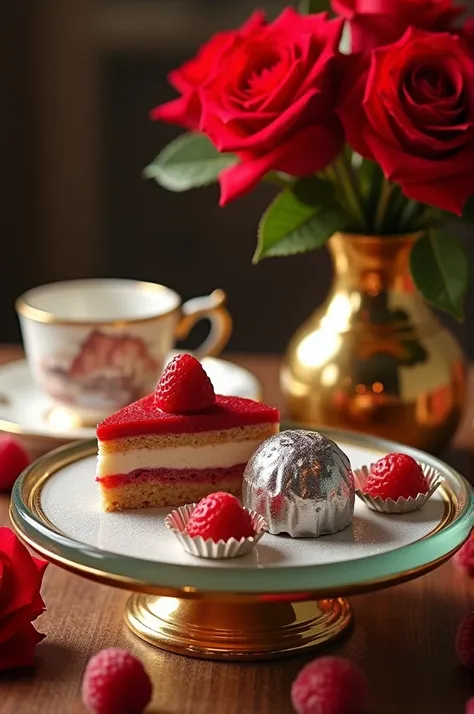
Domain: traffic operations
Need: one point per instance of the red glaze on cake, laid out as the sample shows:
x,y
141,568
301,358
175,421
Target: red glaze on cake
x,y
150,457
143,417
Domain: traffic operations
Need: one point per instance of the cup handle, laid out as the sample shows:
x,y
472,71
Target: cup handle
x,y
211,307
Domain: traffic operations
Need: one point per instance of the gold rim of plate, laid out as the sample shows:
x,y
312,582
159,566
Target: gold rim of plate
x,y
51,543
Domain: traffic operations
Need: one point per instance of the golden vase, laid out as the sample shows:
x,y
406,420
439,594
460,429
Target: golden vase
x,y
373,357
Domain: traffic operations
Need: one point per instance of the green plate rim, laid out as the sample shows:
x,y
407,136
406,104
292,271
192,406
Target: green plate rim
x,y
144,575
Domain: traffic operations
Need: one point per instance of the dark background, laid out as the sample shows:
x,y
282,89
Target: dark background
x,y
77,80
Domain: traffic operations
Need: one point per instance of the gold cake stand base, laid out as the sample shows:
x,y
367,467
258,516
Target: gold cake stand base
x,y
235,631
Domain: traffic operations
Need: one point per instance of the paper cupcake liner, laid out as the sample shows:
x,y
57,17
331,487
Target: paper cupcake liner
x,y
401,505
177,520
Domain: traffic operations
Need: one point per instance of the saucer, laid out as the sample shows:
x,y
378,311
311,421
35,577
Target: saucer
x,y
25,410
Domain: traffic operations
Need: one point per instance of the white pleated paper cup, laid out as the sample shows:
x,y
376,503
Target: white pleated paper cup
x,y
177,521
401,505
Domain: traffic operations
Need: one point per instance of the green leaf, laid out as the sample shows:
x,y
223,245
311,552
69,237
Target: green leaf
x,y
190,161
300,219
440,269
311,7
468,213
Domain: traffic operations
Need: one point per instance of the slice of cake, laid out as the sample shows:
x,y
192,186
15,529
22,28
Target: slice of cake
x,y
179,444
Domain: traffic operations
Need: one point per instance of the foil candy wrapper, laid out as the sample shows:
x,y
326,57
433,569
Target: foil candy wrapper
x,y
401,505
177,520
302,484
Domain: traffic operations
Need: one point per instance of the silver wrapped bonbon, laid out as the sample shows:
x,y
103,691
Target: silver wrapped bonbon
x,y
302,483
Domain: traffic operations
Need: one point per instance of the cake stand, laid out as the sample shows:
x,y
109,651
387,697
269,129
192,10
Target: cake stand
x,y
284,598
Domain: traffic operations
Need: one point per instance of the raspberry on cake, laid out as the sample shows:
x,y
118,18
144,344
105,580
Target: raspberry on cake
x,y
179,444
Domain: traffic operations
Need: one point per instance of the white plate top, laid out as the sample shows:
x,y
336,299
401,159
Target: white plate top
x,y
24,409
70,500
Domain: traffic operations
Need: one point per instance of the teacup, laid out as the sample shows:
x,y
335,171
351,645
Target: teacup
x,y
94,346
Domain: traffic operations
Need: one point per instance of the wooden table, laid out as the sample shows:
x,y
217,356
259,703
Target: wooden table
x,y
403,639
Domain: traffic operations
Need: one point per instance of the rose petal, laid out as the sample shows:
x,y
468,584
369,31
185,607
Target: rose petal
x,y
205,64
307,153
22,576
375,23
293,73
17,620
184,112
196,70
41,565
344,8
193,74
19,650
425,142
226,136
449,194
398,165
435,113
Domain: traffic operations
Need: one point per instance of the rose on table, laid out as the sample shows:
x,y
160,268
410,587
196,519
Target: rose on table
x,y
21,603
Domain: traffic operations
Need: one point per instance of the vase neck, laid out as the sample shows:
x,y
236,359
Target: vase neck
x,y
372,264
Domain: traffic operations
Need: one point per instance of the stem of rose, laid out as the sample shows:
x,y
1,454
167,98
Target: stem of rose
x,y
382,205
351,190
330,175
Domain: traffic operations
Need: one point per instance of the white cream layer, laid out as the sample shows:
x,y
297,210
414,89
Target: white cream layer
x,y
210,456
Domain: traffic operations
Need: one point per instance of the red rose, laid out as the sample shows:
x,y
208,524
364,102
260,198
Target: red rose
x,y
379,22
192,75
20,602
268,94
411,109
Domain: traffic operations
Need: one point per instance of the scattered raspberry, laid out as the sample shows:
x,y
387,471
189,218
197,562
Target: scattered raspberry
x,y
470,706
329,685
465,641
115,682
13,459
464,558
220,517
396,476
184,387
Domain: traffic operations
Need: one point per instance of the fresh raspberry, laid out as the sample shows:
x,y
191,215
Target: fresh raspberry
x,y
396,476
220,517
13,459
184,387
464,558
465,641
115,682
329,685
470,706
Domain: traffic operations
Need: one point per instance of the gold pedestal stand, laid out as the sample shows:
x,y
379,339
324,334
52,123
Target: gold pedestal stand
x,y
236,631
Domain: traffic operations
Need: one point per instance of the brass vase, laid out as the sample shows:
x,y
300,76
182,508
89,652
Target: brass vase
x,y
374,358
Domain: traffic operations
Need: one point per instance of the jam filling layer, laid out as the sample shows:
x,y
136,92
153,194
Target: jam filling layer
x,y
173,476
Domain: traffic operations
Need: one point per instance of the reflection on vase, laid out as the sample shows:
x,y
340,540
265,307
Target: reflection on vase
x,y
373,357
